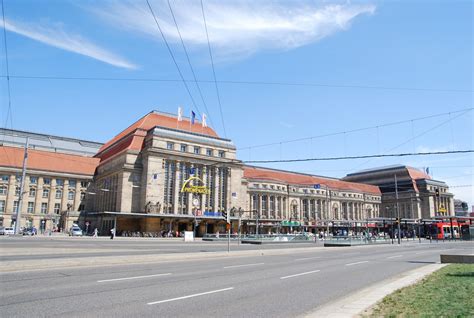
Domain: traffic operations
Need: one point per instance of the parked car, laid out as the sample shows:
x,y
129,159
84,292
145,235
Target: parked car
x,y
75,231
30,231
2,230
9,231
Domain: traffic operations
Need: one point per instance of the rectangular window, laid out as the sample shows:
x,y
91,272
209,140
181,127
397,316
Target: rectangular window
x,y
59,194
197,150
70,195
209,152
72,183
32,192
183,148
83,196
17,191
2,206
15,206
33,180
84,184
169,145
3,190
45,193
4,178
221,154
31,206
46,180
44,208
57,208
59,182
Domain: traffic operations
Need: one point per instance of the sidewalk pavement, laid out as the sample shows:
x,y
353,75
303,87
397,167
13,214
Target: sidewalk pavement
x,y
356,304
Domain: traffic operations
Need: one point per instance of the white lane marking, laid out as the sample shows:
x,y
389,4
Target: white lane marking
x,y
305,273
190,296
421,252
128,278
306,258
244,265
362,262
395,256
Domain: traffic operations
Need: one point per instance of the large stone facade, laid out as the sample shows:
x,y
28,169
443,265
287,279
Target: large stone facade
x,y
419,196
162,174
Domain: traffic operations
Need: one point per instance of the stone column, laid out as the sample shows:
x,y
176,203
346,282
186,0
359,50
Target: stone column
x,y
177,175
216,189
203,196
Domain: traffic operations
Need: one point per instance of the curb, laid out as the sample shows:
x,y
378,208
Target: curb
x,y
356,304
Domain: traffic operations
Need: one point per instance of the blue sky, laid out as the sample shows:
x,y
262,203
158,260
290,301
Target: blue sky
x,y
419,52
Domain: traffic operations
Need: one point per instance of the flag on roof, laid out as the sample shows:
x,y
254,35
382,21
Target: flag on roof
x,y
193,117
180,114
204,122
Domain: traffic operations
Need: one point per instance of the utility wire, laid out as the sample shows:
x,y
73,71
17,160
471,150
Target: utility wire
x,y
234,82
355,130
363,156
213,70
174,59
422,134
189,62
9,110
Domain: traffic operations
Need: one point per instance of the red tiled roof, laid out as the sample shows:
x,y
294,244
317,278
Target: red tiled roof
x,y
133,137
416,174
302,179
48,161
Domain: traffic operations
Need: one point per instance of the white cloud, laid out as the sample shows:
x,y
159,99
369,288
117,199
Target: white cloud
x,y
238,28
57,37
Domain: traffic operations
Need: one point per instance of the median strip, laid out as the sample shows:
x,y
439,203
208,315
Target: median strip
x,y
190,296
300,274
128,278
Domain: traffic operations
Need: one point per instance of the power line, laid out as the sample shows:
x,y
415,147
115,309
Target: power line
x,y
213,70
235,82
189,62
362,156
422,134
174,60
9,110
355,130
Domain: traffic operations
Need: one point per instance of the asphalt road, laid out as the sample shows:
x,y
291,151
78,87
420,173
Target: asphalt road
x,y
259,286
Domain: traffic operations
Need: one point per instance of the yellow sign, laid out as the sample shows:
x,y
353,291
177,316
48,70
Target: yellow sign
x,y
442,209
194,188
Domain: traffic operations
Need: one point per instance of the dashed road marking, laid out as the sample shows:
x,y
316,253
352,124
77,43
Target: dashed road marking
x,y
190,296
300,274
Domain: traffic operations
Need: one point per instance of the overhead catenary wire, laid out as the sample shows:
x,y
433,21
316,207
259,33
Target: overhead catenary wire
x,y
235,82
363,156
174,59
356,129
213,69
9,108
190,65
462,112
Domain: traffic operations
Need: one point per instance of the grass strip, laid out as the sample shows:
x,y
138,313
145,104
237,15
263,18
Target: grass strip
x,y
448,292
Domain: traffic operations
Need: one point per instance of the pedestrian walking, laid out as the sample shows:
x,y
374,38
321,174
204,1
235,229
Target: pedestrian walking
x,y
96,231
112,233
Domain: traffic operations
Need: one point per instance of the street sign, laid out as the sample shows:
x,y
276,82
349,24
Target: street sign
x,y
317,186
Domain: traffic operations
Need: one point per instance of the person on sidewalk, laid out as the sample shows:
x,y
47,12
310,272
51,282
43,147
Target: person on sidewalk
x,y
112,233
96,231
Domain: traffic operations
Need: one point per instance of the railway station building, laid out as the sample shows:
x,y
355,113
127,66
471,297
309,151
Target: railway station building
x,y
165,173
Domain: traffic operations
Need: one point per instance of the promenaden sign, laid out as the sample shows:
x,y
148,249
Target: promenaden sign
x,y
187,187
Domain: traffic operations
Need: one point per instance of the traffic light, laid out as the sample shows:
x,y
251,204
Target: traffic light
x,y
224,215
437,193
